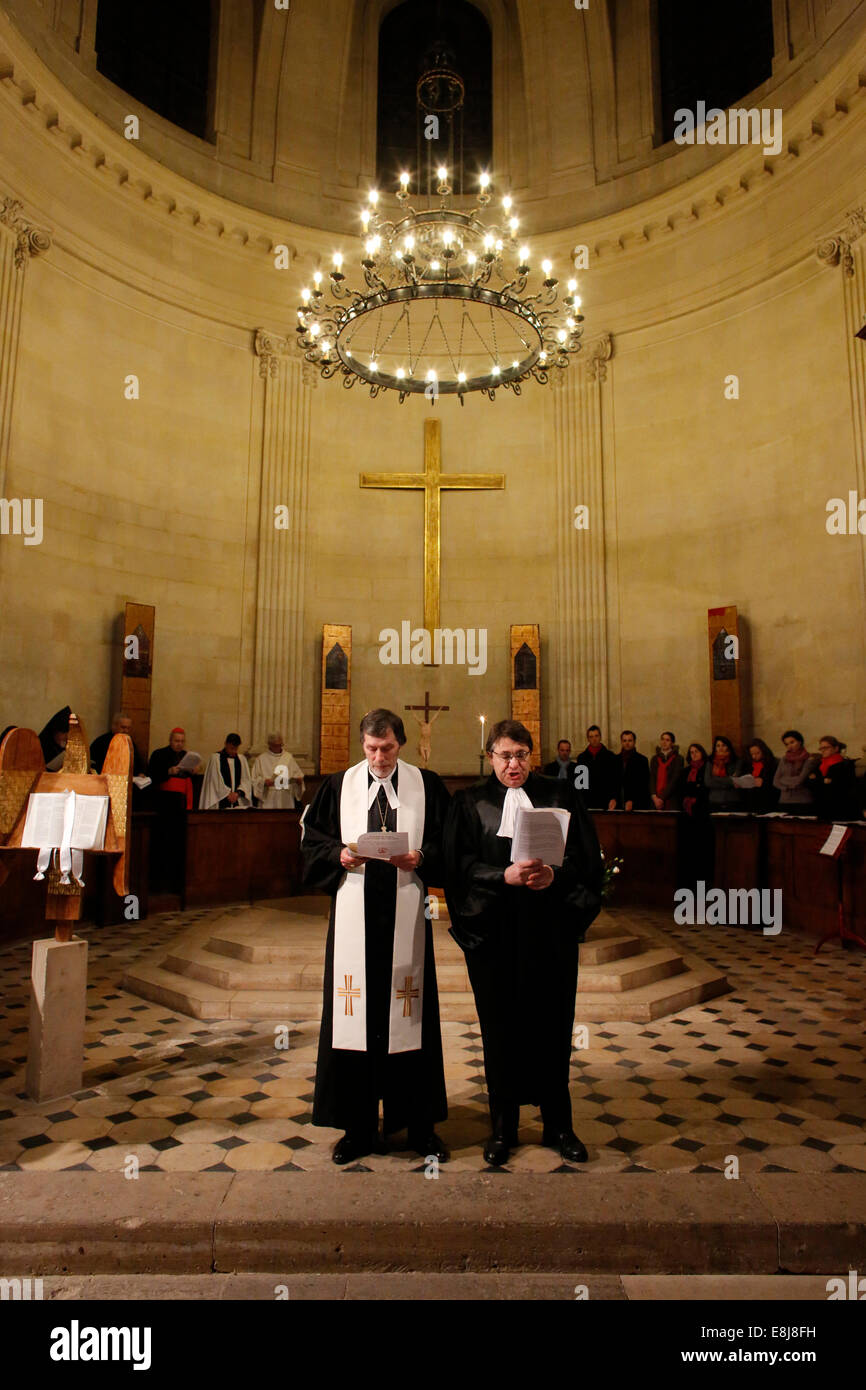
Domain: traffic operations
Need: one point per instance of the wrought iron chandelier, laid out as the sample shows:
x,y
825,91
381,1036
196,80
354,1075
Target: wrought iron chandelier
x,y
445,309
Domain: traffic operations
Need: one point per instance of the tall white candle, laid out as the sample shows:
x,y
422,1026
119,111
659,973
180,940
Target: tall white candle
x,y
481,717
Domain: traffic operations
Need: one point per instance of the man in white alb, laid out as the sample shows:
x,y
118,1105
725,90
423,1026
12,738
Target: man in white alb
x,y
278,782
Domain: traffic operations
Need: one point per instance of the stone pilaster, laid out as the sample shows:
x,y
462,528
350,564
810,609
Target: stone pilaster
x,y
19,242
580,648
845,249
279,666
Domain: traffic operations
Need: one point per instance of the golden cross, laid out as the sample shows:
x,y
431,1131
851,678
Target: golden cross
x,y
433,482
348,993
407,994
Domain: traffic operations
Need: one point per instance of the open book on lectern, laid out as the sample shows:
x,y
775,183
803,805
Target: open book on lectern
x,y
46,821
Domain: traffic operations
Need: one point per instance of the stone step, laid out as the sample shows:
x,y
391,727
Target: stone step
x,y
229,973
651,1001
351,1223
607,948
426,1287
631,973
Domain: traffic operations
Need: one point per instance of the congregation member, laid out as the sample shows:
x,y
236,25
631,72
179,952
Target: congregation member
x,y
791,778
761,765
53,739
696,836
520,926
277,781
632,775
120,724
665,774
600,795
380,1037
833,783
166,774
226,785
563,764
719,776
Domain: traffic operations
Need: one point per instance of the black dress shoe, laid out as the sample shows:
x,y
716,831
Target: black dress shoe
x,y
429,1145
496,1151
570,1147
353,1146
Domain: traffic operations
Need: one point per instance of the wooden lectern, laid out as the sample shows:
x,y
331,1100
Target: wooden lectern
x,y
59,975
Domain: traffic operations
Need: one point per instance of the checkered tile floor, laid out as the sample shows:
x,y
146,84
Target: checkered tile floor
x,y
772,1073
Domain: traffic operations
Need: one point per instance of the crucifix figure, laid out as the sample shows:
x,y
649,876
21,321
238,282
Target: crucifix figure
x,y
433,482
425,724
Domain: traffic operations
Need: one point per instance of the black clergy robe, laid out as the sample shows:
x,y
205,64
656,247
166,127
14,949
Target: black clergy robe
x,y
349,1085
521,944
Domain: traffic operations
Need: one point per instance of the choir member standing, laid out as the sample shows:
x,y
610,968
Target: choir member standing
x,y
563,764
761,765
380,1037
791,778
666,772
521,926
600,763
834,783
632,775
719,776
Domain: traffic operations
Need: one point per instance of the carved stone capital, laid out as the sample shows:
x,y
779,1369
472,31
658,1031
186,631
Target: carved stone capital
x,y
270,350
837,249
29,239
599,353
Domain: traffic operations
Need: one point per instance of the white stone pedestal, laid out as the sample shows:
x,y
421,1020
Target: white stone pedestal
x,y
55,1057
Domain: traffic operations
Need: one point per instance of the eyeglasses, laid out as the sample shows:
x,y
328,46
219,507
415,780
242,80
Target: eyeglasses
x,y
513,757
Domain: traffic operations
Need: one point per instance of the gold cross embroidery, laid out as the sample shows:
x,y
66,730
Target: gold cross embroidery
x,y
349,994
407,994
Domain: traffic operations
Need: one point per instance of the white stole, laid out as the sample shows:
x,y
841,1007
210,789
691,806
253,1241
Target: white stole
x,y
407,969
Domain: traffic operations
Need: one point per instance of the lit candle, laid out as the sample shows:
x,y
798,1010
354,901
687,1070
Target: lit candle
x,y
482,731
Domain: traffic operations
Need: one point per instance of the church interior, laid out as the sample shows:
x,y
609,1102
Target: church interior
x,y
476,360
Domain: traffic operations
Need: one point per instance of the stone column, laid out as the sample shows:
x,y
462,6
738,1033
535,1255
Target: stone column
x,y
18,245
584,575
845,249
280,670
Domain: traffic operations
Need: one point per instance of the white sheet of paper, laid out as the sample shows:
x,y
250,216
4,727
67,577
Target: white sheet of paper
x,y
189,762
540,833
834,839
382,844
747,780
141,782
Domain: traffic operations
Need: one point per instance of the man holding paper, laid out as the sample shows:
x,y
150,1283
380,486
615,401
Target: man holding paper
x,y
520,922
371,839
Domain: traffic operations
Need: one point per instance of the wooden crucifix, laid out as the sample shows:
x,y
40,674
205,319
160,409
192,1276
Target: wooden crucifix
x,y
433,482
425,724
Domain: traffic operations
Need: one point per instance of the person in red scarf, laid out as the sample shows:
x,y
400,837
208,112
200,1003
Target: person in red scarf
x,y
834,783
666,772
164,771
696,841
791,779
601,765
761,765
719,776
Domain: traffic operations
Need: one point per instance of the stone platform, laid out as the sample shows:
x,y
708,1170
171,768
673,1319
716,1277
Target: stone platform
x,y
267,961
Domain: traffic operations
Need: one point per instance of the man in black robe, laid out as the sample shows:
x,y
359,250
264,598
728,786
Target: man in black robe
x,y
53,739
374,1044
601,772
120,724
633,787
520,926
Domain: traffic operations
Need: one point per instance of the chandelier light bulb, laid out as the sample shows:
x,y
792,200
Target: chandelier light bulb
x,y
485,181
400,373
524,255
374,366
326,347
514,224
369,246
305,295
471,258
497,370
315,329
404,179
434,265
572,286
508,202
431,375
373,196
317,278
542,357
577,301
448,236
498,243
547,267
461,376
365,217
338,260
488,242
515,364
442,173
562,335
569,322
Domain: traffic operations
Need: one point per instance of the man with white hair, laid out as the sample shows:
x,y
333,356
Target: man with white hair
x,y
278,782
